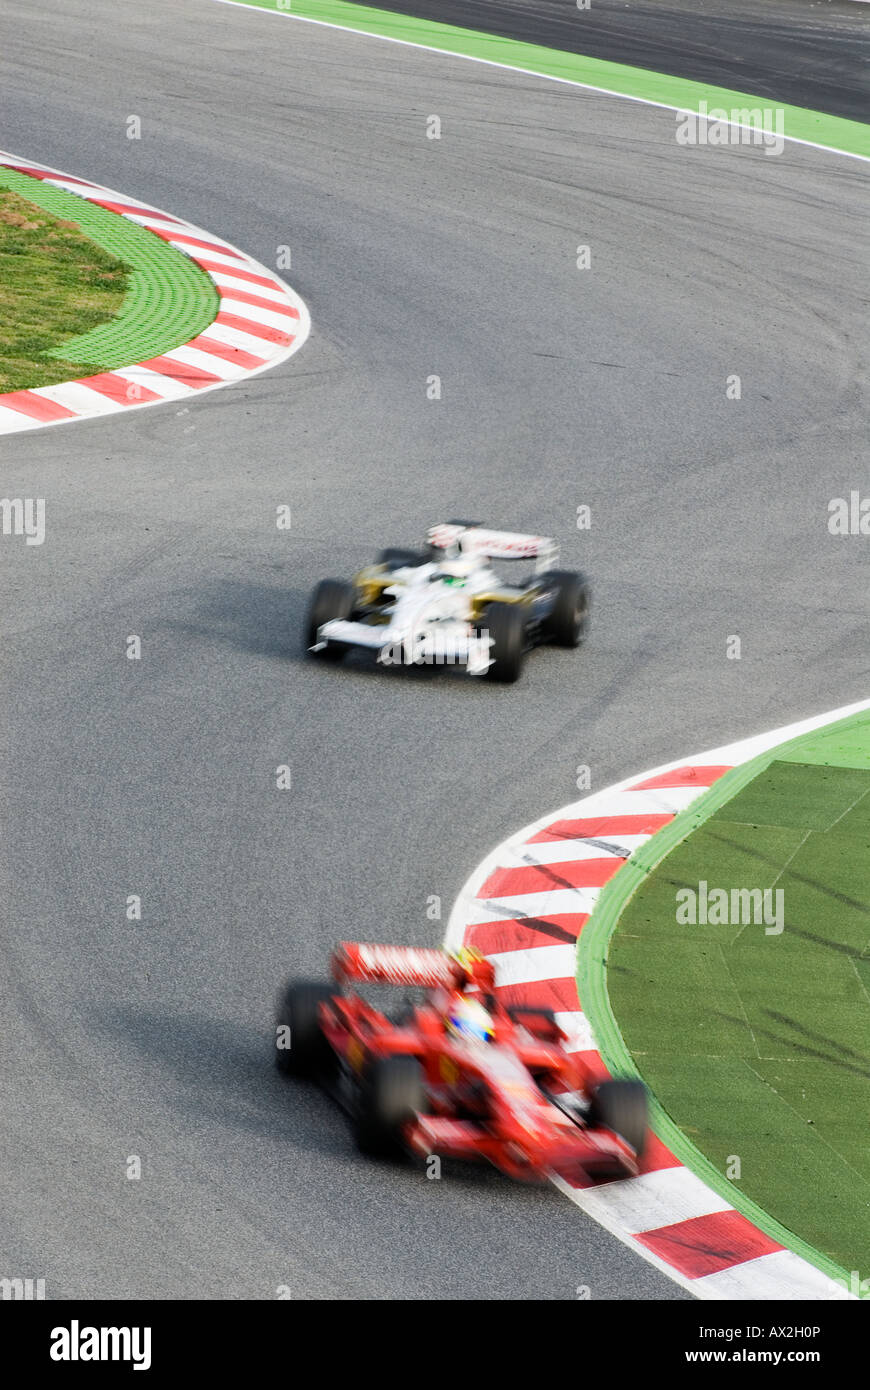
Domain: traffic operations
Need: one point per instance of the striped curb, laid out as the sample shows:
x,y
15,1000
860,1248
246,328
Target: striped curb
x,y
260,321
524,907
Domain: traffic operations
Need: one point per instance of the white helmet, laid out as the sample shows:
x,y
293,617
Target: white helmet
x,y
459,569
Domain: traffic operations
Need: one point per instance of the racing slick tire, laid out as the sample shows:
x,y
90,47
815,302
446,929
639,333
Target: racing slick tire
x,y
505,625
300,1046
568,623
622,1106
390,1095
333,598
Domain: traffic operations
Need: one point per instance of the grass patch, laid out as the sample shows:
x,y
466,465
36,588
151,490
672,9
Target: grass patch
x,y
55,284
757,1045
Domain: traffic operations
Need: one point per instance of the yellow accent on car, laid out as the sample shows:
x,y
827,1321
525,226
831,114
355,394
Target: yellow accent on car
x,y
449,1070
479,602
370,584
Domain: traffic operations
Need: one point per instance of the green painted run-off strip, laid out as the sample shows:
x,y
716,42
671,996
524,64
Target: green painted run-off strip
x,y
832,132
169,299
842,744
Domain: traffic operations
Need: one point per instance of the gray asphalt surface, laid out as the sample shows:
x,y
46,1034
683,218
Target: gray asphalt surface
x,y
811,53
560,387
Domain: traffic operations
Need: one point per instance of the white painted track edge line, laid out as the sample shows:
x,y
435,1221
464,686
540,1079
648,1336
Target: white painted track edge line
x,y
527,72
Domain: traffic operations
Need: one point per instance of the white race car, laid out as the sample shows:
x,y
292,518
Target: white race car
x,y
447,606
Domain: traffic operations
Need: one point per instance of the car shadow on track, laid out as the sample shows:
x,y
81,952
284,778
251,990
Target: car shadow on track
x,y
209,1069
262,619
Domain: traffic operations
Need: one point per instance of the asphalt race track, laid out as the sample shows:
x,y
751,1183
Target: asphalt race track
x,y
560,387
811,53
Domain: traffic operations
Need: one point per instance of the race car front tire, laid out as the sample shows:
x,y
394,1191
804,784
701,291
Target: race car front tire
x,y
568,622
622,1106
300,1046
333,598
390,1096
505,625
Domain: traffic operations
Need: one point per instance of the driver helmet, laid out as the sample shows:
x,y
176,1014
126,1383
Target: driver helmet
x,y
468,1019
458,570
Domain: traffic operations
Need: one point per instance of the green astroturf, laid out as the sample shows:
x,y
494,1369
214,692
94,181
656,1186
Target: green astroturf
x,y
756,1042
169,299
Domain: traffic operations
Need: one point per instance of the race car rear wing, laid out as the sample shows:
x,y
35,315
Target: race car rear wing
x,y
394,965
456,538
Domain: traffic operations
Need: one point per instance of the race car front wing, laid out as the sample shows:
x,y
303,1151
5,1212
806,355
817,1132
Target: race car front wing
x,y
440,644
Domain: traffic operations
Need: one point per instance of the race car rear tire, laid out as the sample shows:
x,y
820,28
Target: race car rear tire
x,y
390,1095
622,1106
505,625
568,623
333,598
300,1046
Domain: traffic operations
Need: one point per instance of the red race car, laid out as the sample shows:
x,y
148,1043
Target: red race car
x,y
457,1075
